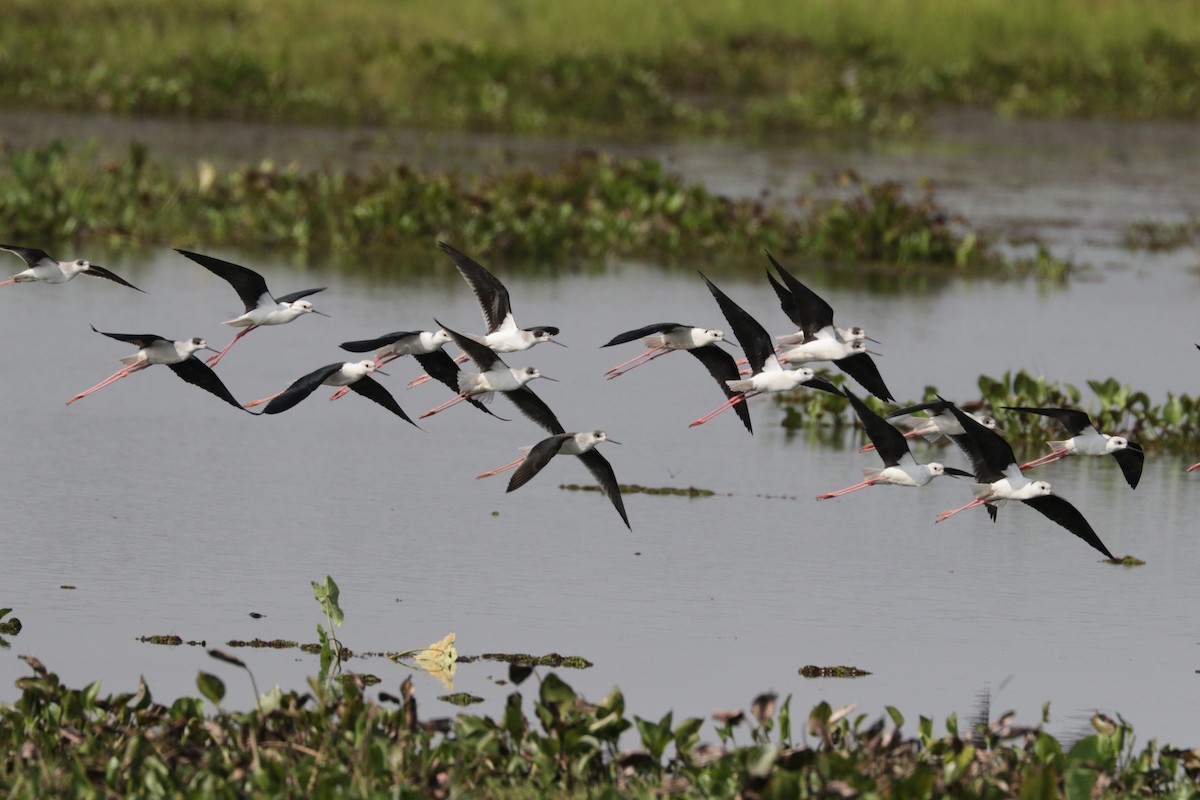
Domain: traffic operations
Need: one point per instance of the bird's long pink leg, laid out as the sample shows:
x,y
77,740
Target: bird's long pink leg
x,y
1046,459
339,393
9,282
259,402
646,355
1194,467
417,381
945,515
458,398
212,362
730,403
498,470
847,490
116,376
379,362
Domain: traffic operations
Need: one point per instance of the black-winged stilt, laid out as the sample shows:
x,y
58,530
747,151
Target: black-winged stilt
x,y
818,338
1086,440
496,376
899,466
354,375
939,422
178,356
765,373
262,308
41,267
567,444
1000,480
666,337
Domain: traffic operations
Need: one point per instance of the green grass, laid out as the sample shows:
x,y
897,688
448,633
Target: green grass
x,y
590,206
620,67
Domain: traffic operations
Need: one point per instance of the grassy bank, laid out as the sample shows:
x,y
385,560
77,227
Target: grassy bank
x,y
620,67
338,743
590,207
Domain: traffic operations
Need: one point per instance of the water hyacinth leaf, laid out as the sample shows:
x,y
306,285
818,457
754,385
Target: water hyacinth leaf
x,y
897,717
555,691
326,595
211,687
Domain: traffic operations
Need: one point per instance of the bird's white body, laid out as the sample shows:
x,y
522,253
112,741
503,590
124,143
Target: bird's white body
x,y
508,338
1013,486
825,347
501,379
684,338
945,424
773,378
270,312
909,472
350,372
582,442
47,270
165,352
421,344
1090,443
845,334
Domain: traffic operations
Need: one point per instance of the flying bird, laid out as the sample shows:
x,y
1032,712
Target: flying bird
x,y
262,308
496,376
568,444
1000,480
818,338
667,337
1087,440
41,267
939,422
766,374
899,466
355,375
178,356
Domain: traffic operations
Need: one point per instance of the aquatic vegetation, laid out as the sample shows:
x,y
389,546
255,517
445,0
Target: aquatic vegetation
x,y
1156,236
8,627
635,488
548,660
461,699
1172,426
529,66
813,671
171,640
65,741
591,205
275,644
326,594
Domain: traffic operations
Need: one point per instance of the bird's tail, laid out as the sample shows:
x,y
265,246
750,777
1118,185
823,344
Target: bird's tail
x,y
871,472
981,490
654,340
1057,445
740,386
129,361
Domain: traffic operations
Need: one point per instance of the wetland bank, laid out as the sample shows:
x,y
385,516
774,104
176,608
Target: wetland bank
x,y
696,610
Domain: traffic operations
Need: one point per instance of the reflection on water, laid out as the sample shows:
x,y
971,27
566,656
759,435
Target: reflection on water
x,y
171,513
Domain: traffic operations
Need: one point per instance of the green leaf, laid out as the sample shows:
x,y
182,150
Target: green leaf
x,y
897,717
1078,783
555,690
211,687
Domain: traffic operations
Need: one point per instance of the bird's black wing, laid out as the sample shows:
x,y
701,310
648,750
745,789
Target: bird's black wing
x,y
441,367
538,457
300,389
988,451
814,313
294,296
489,291
786,301
629,336
753,336
532,406
598,465
823,385
249,285
372,389
1073,420
101,272
139,340
1065,514
32,256
862,368
480,353
197,373
367,345
888,440
935,406
722,367
1130,460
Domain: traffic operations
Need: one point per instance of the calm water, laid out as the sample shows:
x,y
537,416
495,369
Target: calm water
x,y
172,513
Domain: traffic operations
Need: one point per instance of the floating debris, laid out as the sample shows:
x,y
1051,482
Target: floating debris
x,y
159,639
1126,561
66,586
11,626
278,644
359,679
256,615
461,699
812,671
634,488
548,660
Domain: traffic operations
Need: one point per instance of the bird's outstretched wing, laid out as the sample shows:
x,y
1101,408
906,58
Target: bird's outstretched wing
x,y
629,336
489,291
722,367
300,389
1065,514
101,272
138,340
862,368
249,285
372,389
599,467
1131,460
32,256
197,373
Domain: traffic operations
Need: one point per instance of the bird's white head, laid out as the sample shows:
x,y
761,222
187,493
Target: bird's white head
x,y
440,337
299,307
1115,443
82,264
196,344
1040,488
986,421
711,335
529,373
935,469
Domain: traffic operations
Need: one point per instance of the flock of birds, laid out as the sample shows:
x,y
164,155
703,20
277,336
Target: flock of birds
x,y
772,365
